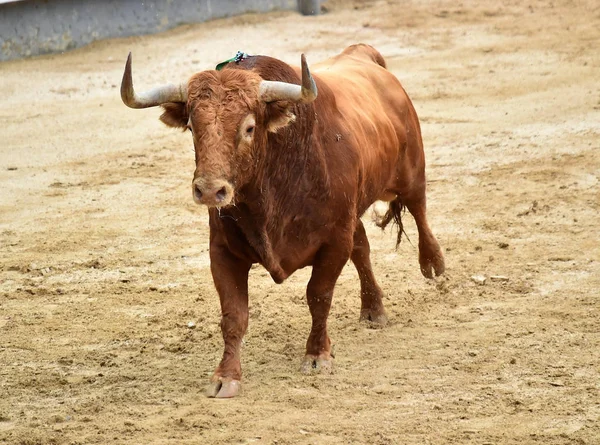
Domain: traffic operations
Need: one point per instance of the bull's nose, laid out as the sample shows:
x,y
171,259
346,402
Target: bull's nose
x,y
197,193
221,194
213,194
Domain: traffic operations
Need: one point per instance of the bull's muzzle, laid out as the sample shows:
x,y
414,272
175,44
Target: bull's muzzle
x,y
217,193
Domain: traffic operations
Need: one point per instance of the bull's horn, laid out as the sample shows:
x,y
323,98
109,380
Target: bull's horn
x,y
271,91
152,98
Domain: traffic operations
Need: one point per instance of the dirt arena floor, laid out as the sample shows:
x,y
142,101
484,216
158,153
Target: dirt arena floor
x,y
108,315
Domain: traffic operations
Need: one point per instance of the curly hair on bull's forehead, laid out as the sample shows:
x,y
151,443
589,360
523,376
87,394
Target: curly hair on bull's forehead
x,y
225,88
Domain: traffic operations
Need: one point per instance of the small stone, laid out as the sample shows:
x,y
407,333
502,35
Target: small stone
x,y
500,278
191,325
382,389
478,279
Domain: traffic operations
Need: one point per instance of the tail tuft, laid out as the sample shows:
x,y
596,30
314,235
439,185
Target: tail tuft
x,y
394,216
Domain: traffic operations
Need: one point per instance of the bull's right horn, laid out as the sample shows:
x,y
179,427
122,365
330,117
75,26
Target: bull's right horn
x,y
151,98
271,91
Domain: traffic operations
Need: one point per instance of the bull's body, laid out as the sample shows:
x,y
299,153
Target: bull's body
x,y
357,143
303,186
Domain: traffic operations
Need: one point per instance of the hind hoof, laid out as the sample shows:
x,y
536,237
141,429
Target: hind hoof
x,y
433,265
378,318
317,364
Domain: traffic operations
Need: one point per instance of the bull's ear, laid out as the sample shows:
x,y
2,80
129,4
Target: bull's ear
x,y
279,115
175,114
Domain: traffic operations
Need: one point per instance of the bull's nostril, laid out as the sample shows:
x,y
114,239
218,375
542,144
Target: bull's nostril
x,y
197,192
221,194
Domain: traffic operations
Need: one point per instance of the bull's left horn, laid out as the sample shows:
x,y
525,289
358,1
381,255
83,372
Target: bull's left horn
x,y
271,91
151,98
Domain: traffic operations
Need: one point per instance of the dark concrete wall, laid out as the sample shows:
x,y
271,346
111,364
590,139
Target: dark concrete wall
x,y
33,27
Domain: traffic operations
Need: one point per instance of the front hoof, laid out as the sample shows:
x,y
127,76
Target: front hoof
x,y
314,364
223,388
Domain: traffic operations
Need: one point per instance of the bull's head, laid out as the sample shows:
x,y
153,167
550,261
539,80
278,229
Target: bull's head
x,y
229,114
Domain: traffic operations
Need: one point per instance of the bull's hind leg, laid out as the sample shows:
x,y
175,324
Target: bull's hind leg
x,y
370,293
431,258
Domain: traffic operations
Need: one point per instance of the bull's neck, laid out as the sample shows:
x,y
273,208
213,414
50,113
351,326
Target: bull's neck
x,y
290,176
292,171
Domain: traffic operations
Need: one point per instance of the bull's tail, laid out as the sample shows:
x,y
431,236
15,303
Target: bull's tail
x,y
394,216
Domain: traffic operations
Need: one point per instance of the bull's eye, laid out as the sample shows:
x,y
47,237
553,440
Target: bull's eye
x,y
246,129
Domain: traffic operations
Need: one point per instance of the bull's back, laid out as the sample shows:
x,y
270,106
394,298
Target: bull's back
x,y
373,111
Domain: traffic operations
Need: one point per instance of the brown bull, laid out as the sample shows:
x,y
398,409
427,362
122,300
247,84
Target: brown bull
x,y
286,176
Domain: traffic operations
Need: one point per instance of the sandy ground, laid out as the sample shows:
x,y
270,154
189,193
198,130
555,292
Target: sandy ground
x,y
104,262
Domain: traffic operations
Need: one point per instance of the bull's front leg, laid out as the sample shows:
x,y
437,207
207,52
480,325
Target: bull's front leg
x,y
327,266
230,275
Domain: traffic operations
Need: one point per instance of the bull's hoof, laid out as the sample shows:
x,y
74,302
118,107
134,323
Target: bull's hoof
x,y
223,388
375,317
432,264
314,364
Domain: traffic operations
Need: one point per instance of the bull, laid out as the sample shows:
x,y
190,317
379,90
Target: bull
x,y
287,162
